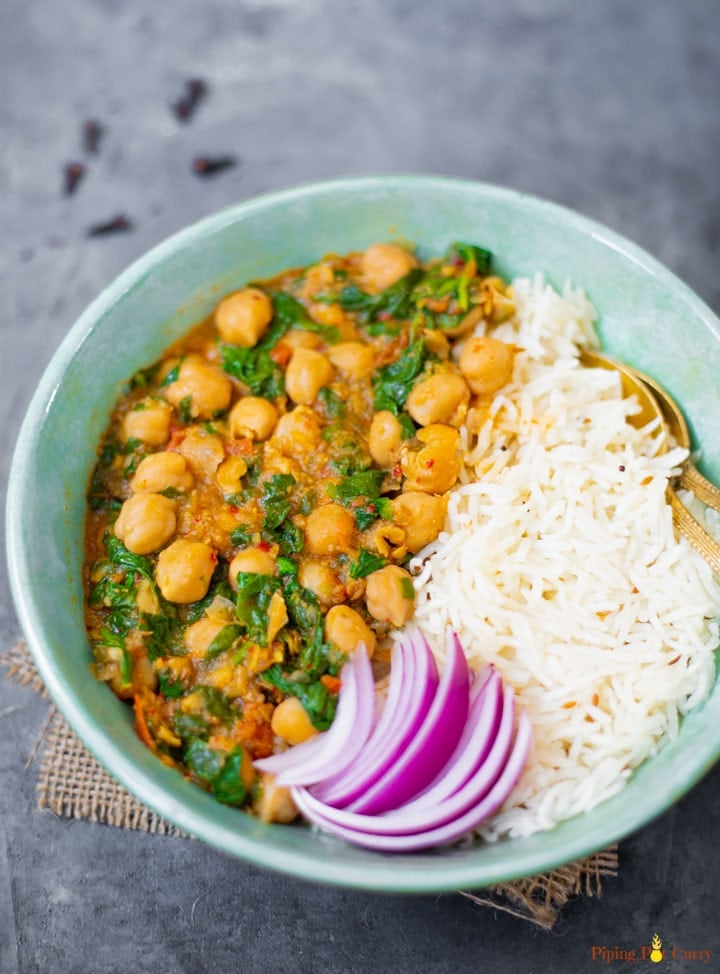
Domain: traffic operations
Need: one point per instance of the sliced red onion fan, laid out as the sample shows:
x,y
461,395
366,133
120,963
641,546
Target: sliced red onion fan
x,y
444,755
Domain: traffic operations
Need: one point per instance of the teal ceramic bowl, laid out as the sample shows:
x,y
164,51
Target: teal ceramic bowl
x,y
647,317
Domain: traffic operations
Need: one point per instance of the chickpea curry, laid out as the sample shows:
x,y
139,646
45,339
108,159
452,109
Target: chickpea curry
x,y
261,489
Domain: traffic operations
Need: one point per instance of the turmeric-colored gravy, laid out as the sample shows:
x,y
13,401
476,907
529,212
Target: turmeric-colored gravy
x,y
260,489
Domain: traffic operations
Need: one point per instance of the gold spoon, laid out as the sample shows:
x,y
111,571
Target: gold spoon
x,y
637,384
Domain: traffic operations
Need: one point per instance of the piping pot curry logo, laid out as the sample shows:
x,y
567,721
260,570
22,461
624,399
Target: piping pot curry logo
x,y
654,951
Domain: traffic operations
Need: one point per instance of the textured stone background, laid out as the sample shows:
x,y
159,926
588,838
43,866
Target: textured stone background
x,y
610,108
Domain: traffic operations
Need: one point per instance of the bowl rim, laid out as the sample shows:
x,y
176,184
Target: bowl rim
x,y
442,873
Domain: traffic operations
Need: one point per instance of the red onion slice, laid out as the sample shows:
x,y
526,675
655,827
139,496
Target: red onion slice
x,y
430,744
420,678
480,732
339,783
414,818
452,830
332,749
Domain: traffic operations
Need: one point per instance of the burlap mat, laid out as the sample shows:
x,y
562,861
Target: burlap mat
x,y
73,785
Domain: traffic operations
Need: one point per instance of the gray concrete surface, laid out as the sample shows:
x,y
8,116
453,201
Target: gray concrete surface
x,y
611,108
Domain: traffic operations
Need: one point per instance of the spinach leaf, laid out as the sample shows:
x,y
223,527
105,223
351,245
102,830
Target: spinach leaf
x,y
366,563
317,702
254,593
334,405
288,537
169,688
219,586
228,786
185,409
394,302
465,252
164,635
143,377
290,313
220,770
189,726
224,640
366,483
173,374
254,368
286,566
275,500
394,382
241,535
407,427
120,556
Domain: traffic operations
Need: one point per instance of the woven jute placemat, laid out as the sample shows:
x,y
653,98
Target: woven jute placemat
x,y
72,784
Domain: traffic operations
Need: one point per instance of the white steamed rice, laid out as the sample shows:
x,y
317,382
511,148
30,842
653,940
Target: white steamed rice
x,y
558,564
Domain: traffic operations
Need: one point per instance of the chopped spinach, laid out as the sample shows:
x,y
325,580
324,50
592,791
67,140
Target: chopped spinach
x,y
317,701
220,770
465,252
254,368
394,302
254,593
219,586
241,535
224,640
290,313
394,382
276,501
120,556
163,635
333,404
407,427
366,563
185,409
286,566
168,688
172,375
366,483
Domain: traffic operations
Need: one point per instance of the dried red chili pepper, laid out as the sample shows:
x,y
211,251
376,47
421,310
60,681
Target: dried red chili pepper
x,y
73,173
205,166
186,106
118,224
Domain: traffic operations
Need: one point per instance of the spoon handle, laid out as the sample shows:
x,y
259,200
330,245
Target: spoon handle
x,y
692,479
696,534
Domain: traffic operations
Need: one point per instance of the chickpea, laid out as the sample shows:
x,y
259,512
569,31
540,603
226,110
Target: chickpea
x,y
146,522
390,595
346,629
322,581
230,474
299,338
149,421
243,318
352,358
436,466
307,372
384,438
291,722
383,264
329,530
184,570
162,470
203,451
254,561
208,389
421,515
275,804
298,433
253,417
439,398
487,364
